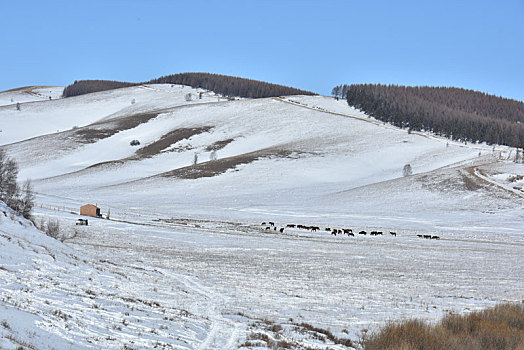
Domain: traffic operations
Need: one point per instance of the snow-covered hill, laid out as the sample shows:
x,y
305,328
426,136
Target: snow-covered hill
x,y
30,94
271,154
187,202
46,117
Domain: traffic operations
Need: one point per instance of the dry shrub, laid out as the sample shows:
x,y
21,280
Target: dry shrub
x,y
321,333
497,328
270,342
407,335
500,327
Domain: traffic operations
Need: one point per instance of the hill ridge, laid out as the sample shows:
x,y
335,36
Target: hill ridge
x,y
218,83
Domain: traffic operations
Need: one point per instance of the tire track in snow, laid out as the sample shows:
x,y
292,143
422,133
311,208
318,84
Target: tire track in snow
x,y
476,172
224,332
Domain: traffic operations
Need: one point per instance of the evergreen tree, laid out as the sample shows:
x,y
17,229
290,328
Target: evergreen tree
x,y
465,115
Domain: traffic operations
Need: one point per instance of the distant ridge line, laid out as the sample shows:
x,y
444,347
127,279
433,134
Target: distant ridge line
x,y
222,84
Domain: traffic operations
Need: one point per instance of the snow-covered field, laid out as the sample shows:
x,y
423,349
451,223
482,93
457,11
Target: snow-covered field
x,y
189,238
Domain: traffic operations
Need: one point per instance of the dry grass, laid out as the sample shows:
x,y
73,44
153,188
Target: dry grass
x,y
169,139
259,338
323,334
220,166
497,328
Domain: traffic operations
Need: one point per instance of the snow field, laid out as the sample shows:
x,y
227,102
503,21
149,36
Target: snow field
x,y
345,284
51,297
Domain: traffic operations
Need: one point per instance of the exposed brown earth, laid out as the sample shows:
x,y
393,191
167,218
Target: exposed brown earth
x,y
105,129
167,140
102,164
220,166
151,149
463,180
219,145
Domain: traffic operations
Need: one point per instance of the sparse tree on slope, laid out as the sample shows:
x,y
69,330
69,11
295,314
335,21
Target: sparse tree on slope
x,y
20,201
336,91
27,200
8,175
406,171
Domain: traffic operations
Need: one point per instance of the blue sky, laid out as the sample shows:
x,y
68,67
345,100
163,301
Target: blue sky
x,y
312,45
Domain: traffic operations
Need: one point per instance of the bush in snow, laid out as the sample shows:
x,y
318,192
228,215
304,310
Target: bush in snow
x,y
499,327
52,229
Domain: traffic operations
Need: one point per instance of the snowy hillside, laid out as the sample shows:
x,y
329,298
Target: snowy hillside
x,y
185,209
52,295
55,298
272,154
45,117
30,94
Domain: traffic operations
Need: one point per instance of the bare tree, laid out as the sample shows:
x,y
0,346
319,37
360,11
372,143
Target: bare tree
x,y
336,91
406,171
8,175
3,160
20,200
519,156
27,200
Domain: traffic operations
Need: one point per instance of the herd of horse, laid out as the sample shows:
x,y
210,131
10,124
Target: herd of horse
x,y
428,236
334,231
270,225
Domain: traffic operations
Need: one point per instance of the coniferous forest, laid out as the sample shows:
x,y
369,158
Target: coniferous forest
x,y
222,84
456,113
459,114
230,86
82,87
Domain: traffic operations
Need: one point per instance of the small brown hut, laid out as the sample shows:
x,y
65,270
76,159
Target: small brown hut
x,y
90,210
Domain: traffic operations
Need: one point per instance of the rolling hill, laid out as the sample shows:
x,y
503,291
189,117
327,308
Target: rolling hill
x,y
186,204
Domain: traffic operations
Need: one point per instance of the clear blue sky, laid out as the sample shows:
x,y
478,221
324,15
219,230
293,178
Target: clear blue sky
x,y
312,45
